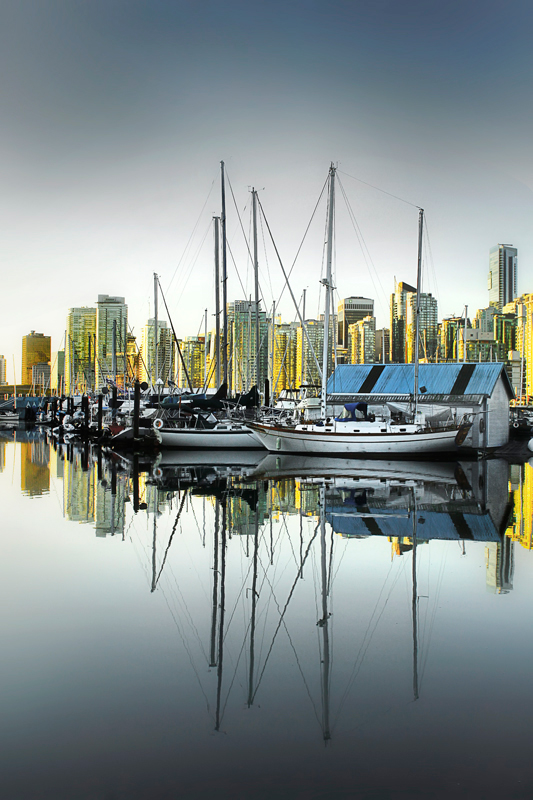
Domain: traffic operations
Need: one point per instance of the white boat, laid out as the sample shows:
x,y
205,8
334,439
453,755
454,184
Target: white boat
x,y
9,417
368,436
227,434
345,437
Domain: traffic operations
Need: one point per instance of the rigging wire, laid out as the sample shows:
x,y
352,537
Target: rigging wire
x,y
193,232
396,197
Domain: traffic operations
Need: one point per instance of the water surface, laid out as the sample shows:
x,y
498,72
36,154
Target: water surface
x,y
246,630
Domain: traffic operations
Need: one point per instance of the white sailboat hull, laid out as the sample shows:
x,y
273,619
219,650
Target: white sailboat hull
x,y
223,437
334,442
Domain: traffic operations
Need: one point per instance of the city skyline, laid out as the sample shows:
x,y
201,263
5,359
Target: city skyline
x,y
109,161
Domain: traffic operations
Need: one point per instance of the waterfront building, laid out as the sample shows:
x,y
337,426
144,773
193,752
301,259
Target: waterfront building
x,y
3,379
502,278
57,372
36,349
362,341
80,348
427,326
245,369
398,321
524,343
111,338
349,311
165,353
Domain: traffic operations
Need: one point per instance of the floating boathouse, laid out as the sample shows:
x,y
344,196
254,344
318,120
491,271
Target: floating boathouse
x,y
482,390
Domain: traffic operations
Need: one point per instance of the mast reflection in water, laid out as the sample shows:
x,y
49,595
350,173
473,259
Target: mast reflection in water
x,y
207,627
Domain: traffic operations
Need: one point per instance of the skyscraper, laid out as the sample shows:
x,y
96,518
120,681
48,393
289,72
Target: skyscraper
x,y
502,275
111,339
3,380
427,327
245,369
35,350
362,341
80,349
351,310
398,321
165,365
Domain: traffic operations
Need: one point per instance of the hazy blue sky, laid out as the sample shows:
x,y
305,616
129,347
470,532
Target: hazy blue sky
x,y
115,116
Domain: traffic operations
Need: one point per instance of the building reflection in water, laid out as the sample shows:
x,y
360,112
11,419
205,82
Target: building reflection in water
x,y
2,454
475,501
34,467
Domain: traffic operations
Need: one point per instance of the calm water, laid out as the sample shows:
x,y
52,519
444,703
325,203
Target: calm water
x,y
187,630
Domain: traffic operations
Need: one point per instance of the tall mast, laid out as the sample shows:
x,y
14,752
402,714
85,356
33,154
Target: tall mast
x,y
224,272
415,603
205,350
418,283
302,350
217,302
256,277
327,285
114,352
156,337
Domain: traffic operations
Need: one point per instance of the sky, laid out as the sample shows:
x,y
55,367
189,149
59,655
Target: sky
x,y
116,115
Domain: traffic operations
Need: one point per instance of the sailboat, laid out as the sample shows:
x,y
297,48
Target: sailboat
x,y
349,435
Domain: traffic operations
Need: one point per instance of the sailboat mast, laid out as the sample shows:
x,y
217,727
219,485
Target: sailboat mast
x,y
327,285
415,603
217,301
224,272
156,337
417,321
256,277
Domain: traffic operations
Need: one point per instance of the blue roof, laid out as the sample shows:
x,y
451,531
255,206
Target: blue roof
x,y
431,524
398,379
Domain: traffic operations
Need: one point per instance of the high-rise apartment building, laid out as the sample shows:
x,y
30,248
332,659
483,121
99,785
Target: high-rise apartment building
x,y
245,369
362,340
398,321
35,350
165,352
111,339
351,310
306,348
283,351
193,354
427,327
3,379
502,280
80,350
